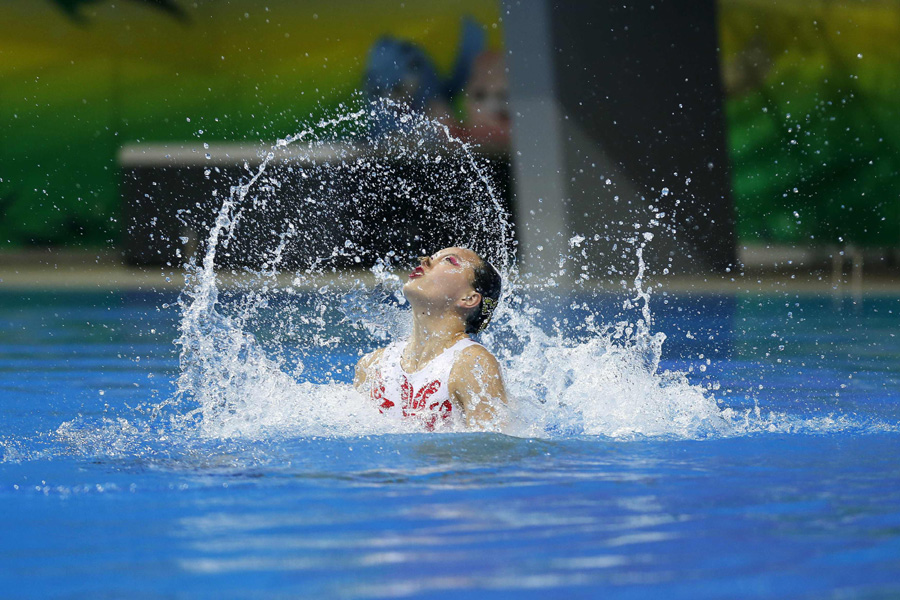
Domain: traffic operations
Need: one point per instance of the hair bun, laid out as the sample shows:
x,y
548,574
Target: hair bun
x,y
487,311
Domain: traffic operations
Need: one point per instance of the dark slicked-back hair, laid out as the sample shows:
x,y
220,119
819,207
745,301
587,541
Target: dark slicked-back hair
x,y
488,283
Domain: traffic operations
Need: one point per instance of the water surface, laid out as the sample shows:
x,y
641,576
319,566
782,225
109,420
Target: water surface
x,y
103,499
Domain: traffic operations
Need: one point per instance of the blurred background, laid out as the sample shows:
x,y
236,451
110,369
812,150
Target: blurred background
x,y
773,125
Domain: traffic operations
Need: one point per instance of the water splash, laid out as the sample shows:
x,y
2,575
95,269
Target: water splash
x,y
270,352
240,386
602,383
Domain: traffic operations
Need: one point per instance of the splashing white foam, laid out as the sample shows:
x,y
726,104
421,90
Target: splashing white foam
x,y
246,361
608,384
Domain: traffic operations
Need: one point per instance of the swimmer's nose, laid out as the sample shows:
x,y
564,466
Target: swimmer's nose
x,y
425,261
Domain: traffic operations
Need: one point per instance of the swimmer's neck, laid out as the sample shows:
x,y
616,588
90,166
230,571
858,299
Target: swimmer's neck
x,y
431,335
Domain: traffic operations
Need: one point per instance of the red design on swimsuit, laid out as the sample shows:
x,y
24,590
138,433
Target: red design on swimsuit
x,y
414,403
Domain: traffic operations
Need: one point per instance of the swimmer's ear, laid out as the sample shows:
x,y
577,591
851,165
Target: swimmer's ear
x,y
471,301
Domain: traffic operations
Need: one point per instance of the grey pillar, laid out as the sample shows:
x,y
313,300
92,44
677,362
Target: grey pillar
x,y
611,104
537,134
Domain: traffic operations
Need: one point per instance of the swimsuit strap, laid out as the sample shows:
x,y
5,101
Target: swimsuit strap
x,y
459,346
440,366
451,353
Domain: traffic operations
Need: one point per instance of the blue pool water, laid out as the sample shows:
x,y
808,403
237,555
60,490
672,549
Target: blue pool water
x,y
102,498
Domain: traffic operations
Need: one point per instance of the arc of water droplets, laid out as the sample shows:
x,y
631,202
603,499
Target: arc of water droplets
x,y
223,220
508,264
642,294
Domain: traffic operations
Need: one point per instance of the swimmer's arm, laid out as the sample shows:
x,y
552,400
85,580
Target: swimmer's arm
x,y
476,385
363,366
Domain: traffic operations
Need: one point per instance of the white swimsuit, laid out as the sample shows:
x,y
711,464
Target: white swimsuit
x,y
423,395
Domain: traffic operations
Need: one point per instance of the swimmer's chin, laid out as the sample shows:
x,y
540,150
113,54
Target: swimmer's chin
x,y
410,287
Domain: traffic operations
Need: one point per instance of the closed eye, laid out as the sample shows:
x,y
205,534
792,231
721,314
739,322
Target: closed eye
x,y
453,260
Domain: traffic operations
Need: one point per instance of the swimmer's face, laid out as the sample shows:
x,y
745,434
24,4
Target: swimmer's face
x,y
444,278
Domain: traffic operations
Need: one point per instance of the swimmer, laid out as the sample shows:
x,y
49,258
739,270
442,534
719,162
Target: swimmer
x,y
439,375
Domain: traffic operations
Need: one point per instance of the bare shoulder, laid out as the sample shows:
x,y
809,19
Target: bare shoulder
x,y
477,357
476,370
371,358
476,384
363,366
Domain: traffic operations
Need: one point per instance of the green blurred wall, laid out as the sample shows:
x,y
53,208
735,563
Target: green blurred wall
x,y
813,127
74,90
812,113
